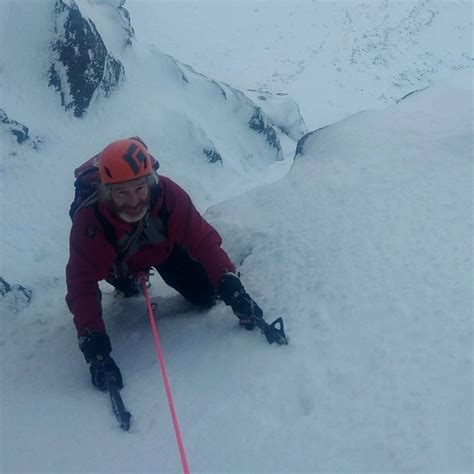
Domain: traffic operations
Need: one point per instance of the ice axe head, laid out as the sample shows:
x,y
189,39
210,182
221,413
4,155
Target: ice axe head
x,y
275,332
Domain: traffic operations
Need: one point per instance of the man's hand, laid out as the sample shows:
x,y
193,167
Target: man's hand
x,y
105,372
234,295
96,348
94,344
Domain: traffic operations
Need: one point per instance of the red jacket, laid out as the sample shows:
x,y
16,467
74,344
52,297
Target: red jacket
x,y
92,255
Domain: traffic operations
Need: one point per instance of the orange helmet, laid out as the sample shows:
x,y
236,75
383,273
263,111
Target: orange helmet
x,y
124,160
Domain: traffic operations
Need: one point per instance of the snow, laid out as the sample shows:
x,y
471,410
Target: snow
x,y
372,221
333,57
364,246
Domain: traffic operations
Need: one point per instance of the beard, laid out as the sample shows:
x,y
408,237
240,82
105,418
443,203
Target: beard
x,y
132,214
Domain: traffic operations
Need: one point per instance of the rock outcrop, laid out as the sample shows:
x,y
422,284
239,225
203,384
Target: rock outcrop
x,y
14,298
82,65
17,130
281,111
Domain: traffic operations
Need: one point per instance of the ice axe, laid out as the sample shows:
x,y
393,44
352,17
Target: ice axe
x,y
122,415
274,332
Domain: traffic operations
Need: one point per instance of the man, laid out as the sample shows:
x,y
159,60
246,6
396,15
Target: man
x,y
138,220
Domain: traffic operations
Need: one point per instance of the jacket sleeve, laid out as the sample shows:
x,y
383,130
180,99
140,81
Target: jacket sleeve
x,y
188,228
90,258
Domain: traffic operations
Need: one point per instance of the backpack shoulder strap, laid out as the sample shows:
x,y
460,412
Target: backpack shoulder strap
x,y
107,227
157,192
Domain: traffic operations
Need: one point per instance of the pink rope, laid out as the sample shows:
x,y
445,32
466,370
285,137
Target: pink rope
x,y
161,359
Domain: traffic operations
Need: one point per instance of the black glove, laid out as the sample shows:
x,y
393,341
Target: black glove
x,y
94,344
96,349
105,372
234,295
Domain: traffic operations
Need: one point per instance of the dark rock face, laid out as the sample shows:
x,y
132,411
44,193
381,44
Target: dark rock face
x,y
5,287
411,93
18,130
81,62
301,142
213,156
113,74
15,128
281,111
259,123
300,145
127,24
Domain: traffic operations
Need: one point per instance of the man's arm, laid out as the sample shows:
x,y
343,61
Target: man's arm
x,y
187,227
90,258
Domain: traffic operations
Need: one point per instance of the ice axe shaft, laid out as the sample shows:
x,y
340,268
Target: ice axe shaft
x,y
122,415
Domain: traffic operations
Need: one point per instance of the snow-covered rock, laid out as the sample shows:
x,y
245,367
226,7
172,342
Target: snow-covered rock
x,y
81,63
17,131
13,298
117,15
93,55
281,111
312,136
84,66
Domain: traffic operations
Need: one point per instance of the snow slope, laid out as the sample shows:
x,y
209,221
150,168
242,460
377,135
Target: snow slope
x,y
364,248
334,57
178,120
175,109
369,247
